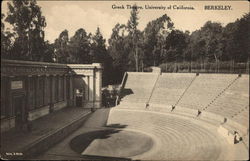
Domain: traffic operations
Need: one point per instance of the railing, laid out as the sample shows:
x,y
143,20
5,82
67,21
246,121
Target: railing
x,y
152,91
221,93
209,67
118,97
191,82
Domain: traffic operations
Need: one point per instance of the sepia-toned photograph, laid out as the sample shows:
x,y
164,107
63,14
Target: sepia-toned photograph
x,y
123,80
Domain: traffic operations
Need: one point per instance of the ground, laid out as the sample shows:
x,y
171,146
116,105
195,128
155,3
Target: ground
x,y
140,134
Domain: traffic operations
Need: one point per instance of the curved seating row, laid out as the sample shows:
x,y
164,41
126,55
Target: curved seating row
x,y
223,95
175,137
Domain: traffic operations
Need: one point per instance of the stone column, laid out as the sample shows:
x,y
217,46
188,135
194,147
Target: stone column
x,y
97,84
98,88
9,103
71,102
64,88
28,93
91,89
9,108
52,92
36,92
46,95
87,88
44,100
57,83
94,87
28,103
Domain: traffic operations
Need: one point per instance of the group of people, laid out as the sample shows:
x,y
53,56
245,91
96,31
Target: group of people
x,y
108,99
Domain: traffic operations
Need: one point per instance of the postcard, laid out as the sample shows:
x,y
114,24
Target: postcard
x,y
124,80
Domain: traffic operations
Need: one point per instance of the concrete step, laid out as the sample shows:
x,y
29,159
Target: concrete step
x,y
47,140
187,138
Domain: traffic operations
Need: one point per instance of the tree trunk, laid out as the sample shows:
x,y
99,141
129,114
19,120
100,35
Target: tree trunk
x,y
216,60
136,60
247,66
142,66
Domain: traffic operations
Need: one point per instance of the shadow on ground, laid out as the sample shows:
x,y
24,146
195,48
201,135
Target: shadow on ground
x,y
99,118
81,142
116,126
126,91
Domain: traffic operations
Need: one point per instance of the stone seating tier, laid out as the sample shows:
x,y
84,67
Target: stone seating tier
x,y
234,102
170,87
188,138
223,95
204,89
138,87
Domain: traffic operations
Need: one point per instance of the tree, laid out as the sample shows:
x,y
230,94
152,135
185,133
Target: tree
x,y
242,38
229,42
79,47
155,35
49,54
176,44
206,44
98,47
212,35
237,39
134,34
100,55
118,49
61,47
6,43
28,24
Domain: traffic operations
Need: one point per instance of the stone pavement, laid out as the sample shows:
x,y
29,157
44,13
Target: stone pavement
x,y
95,123
62,150
177,137
123,134
60,123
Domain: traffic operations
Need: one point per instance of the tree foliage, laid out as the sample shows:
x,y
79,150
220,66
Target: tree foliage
x,y
133,35
100,54
128,49
28,24
6,42
237,39
79,47
61,47
98,47
118,47
176,44
155,35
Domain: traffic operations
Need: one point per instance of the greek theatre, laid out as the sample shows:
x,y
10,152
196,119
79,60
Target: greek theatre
x,y
30,90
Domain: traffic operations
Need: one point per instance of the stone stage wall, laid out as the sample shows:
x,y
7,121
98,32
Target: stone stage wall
x,y
30,90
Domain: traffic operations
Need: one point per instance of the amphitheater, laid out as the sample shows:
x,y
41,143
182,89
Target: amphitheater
x,y
157,119
145,113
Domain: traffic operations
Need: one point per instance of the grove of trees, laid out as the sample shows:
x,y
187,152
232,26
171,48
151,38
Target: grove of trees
x,y
128,48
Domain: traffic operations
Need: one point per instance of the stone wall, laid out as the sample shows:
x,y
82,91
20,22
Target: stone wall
x,y
89,79
34,89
